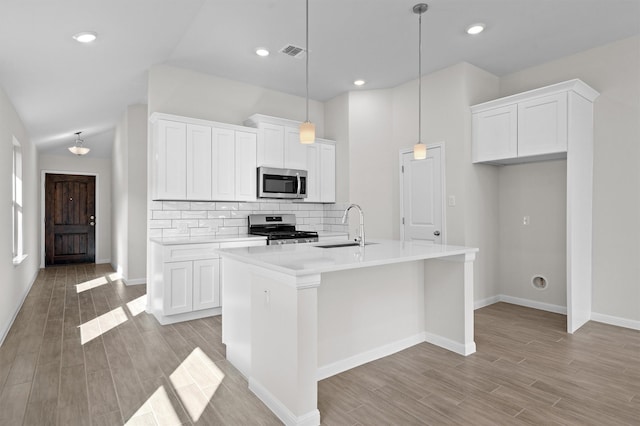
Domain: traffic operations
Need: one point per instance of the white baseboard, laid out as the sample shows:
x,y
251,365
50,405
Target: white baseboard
x,y
100,261
187,316
368,356
135,281
617,321
288,418
485,302
449,344
534,304
5,329
521,302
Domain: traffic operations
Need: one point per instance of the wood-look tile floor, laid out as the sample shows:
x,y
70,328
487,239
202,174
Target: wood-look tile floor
x,y
82,351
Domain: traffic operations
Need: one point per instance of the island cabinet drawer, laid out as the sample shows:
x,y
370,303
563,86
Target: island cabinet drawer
x,y
181,252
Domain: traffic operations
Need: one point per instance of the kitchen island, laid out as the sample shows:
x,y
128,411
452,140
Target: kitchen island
x,y
295,314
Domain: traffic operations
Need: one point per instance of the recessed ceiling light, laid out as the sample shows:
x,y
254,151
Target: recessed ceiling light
x,y
359,82
475,29
262,51
85,37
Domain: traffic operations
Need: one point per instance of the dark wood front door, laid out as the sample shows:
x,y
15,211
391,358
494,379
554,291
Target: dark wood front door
x,y
70,219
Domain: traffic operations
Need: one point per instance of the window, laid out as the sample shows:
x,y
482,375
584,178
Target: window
x,y
18,248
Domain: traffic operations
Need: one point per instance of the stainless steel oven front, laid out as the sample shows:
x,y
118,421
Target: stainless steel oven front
x,y
281,183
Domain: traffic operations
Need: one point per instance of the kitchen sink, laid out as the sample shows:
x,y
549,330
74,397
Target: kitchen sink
x,y
349,244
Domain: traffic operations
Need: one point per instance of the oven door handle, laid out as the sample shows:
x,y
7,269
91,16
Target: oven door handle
x,y
299,184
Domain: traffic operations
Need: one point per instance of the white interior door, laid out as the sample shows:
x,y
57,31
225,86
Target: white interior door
x,y
422,203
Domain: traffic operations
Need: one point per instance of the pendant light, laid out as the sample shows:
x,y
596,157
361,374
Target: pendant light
x,y
420,149
307,129
79,148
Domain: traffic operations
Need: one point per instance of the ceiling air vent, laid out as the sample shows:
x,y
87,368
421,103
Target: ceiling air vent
x,y
294,51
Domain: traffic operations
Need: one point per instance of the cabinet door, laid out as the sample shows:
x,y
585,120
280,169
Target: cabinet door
x,y
206,284
271,147
542,125
327,173
223,163
495,134
313,173
198,162
245,166
295,153
178,287
170,141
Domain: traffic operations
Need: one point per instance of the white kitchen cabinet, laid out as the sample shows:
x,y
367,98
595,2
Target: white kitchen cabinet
x,y
279,146
529,126
223,164
198,162
245,166
185,280
270,151
170,160
202,160
321,172
206,284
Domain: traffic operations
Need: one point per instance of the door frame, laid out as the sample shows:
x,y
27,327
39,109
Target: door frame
x,y
43,174
443,175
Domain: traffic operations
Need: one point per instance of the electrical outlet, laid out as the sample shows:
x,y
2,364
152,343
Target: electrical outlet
x,y
451,200
182,228
526,220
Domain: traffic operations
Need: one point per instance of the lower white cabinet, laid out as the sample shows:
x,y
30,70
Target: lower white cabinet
x,y
185,280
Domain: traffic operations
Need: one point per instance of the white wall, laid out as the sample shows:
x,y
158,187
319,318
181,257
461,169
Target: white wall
x,y
382,122
101,167
614,71
192,94
16,280
337,128
129,195
539,191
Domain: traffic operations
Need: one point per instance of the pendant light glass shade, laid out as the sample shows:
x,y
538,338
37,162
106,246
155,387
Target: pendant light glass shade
x,y
79,148
307,129
307,133
420,149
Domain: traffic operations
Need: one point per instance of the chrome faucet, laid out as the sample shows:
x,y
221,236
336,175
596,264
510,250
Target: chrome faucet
x,y
359,238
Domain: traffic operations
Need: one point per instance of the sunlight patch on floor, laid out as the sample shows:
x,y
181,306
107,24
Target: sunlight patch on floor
x,y
196,380
114,276
137,306
88,285
100,325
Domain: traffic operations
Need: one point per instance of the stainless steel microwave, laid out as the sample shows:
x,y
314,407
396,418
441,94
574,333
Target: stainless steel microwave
x,y
281,183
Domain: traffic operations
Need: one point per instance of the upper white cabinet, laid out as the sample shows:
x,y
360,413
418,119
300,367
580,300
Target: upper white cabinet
x,y
529,126
170,155
202,160
279,146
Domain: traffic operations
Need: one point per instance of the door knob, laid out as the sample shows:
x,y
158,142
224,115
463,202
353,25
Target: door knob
x,y
92,223
92,217
436,233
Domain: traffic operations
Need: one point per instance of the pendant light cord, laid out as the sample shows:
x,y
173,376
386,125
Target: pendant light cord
x,y
420,78
307,57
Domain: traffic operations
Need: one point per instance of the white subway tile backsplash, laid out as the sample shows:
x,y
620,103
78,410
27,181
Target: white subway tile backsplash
x,y
203,205
227,206
181,218
154,233
176,205
194,214
166,214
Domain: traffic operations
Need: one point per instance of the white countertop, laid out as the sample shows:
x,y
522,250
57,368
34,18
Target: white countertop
x,y
306,259
204,239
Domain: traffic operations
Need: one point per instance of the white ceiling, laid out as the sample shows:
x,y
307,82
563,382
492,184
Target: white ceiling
x,y
59,86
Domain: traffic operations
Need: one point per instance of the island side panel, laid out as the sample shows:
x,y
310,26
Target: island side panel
x,y
284,344
236,313
448,300
368,313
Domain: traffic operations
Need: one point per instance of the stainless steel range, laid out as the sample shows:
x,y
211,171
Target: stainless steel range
x,y
279,229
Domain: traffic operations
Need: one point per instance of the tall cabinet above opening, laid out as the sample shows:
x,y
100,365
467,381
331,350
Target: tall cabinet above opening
x,y
548,123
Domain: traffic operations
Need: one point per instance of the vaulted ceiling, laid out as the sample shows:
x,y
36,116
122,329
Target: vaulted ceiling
x,y
59,86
